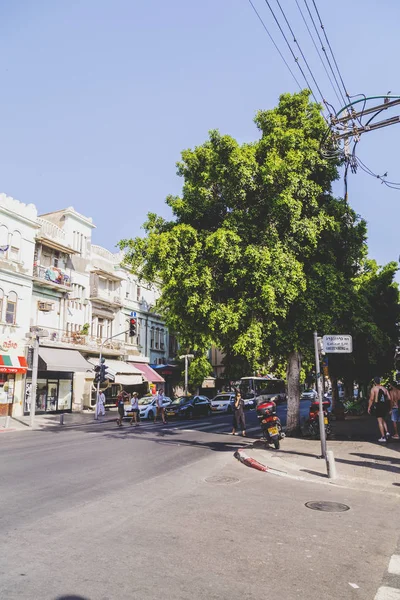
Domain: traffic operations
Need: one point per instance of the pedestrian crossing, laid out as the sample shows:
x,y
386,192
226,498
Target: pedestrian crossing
x,y
222,427
390,590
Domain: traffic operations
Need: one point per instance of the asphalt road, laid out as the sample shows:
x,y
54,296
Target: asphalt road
x,y
154,512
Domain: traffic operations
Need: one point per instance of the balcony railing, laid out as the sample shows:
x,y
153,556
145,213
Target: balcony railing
x,y
75,338
52,275
110,297
51,230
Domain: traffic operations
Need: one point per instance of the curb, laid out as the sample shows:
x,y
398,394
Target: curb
x,y
7,430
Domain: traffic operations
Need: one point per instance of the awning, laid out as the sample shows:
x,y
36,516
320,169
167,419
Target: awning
x,y
60,359
12,363
120,372
150,375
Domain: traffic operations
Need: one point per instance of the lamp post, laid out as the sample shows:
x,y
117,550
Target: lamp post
x,y
186,357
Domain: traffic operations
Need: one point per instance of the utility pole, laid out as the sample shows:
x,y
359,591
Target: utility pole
x,y
35,363
186,357
320,397
101,361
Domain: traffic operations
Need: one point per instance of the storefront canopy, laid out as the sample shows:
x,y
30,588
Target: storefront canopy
x,y
149,373
121,372
12,363
61,359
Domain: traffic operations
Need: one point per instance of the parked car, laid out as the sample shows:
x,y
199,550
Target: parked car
x,y
223,403
309,395
189,407
147,407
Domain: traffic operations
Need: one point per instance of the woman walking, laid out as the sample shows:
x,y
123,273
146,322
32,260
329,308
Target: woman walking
x,y
121,398
135,408
238,415
379,404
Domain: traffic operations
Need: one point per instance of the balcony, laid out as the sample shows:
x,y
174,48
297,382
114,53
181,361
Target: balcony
x,y
51,235
105,297
85,343
52,277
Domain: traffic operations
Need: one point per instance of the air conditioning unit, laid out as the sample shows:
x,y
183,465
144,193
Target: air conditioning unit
x,y
45,306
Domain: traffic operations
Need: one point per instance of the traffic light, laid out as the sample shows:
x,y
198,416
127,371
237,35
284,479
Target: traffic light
x,y
97,373
132,327
103,373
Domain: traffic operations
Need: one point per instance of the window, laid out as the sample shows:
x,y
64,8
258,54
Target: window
x,y
100,323
1,303
11,308
157,344
15,248
152,337
162,343
138,293
3,236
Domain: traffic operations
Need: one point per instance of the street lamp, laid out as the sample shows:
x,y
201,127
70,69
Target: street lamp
x,y
186,357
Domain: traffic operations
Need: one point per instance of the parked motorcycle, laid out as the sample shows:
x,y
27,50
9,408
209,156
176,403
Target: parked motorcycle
x,y
270,423
313,418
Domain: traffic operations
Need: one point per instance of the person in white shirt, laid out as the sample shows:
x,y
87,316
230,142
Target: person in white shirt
x,y
160,406
101,400
135,408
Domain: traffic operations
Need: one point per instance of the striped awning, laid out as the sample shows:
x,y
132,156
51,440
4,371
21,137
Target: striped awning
x,y
12,363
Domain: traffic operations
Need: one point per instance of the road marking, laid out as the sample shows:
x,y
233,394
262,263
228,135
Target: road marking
x,y
394,565
355,586
387,593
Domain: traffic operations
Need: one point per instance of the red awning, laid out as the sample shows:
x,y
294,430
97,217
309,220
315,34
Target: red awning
x,y
148,372
11,363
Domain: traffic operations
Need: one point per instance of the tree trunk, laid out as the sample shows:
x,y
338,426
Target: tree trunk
x,y
348,389
293,393
335,392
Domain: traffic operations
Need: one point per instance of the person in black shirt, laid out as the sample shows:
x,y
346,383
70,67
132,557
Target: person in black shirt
x,y
238,414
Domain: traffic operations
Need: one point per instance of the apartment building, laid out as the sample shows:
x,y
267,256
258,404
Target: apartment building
x,y
79,296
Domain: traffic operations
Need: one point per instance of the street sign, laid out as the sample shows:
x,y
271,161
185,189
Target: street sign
x,y
337,344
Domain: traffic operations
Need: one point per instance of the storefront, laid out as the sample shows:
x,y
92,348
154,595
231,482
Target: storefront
x,y
13,367
119,376
55,381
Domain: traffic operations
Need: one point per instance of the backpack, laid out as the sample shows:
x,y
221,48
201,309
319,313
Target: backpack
x,y
382,396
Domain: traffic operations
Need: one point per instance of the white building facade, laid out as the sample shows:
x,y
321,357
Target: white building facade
x,y
79,296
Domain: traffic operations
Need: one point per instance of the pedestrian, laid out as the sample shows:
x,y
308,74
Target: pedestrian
x,y
394,394
121,399
379,406
135,408
238,414
160,407
101,400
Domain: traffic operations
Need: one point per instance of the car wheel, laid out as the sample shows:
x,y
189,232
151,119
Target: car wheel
x,y
150,415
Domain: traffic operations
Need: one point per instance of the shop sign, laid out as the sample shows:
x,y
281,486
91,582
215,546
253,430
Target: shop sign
x,y
9,345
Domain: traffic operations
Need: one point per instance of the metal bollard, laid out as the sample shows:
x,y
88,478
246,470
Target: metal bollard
x,y
62,419
330,465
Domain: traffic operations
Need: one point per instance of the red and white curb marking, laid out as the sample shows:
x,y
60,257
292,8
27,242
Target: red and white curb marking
x,y
241,455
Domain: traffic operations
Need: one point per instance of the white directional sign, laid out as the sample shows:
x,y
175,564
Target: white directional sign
x,y
336,344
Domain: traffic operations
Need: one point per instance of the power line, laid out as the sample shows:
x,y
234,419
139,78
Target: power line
x,y
301,51
318,52
291,50
274,43
324,51
330,48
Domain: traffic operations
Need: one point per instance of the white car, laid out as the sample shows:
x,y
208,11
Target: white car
x,y
223,403
147,407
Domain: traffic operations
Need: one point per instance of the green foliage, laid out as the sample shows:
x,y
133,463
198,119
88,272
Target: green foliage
x,y
258,254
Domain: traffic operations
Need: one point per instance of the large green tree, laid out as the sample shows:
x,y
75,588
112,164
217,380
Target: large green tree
x,y
246,261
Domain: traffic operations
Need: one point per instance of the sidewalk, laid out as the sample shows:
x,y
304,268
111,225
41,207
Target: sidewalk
x,y
361,462
46,421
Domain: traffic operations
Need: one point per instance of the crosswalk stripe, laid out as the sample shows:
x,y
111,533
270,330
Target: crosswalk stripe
x,y
394,565
387,593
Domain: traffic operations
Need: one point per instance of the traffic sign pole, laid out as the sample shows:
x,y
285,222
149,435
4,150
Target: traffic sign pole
x,y
320,398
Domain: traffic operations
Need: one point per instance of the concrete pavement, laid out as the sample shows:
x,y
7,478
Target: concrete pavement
x,y
150,512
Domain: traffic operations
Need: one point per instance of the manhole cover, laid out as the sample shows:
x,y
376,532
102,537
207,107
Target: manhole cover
x,y
218,479
328,506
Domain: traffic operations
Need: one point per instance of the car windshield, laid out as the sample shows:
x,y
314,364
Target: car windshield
x,y
147,400
182,400
221,399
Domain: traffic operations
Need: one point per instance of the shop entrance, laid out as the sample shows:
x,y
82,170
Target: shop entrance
x,y
53,392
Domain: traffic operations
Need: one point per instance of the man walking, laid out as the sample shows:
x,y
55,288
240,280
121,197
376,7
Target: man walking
x,y
160,407
101,400
379,402
135,408
394,394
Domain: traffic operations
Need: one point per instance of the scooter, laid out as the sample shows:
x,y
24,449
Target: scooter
x,y
270,423
313,418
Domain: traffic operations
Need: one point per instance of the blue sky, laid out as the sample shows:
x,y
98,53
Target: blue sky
x,y
98,99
